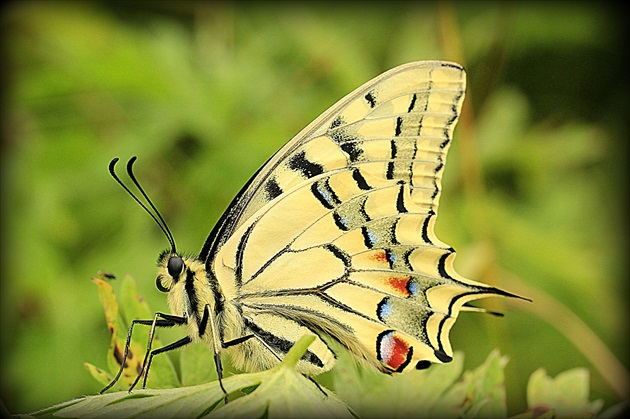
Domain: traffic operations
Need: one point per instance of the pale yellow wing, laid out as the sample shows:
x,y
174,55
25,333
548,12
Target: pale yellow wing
x,y
334,235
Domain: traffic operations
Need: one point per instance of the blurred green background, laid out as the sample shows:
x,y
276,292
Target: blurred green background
x,y
534,195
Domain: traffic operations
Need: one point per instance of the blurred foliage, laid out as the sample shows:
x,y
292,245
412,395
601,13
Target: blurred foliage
x,y
534,198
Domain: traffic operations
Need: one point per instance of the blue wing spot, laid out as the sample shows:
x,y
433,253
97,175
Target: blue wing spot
x,y
369,237
342,222
384,309
325,195
412,287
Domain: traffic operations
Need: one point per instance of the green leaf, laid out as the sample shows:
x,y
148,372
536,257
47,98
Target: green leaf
x,y
285,393
413,394
196,364
440,391
279,392
103,377
567,394
480,393
162,373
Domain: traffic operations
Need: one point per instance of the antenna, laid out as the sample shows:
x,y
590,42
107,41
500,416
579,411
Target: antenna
x,y
157,217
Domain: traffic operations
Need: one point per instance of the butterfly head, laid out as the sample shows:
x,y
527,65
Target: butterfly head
x,y
171,269
174,269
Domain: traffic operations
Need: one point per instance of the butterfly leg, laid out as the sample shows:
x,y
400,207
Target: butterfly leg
x,y
167,321
266,345
148,356
182,342
219,344
216,345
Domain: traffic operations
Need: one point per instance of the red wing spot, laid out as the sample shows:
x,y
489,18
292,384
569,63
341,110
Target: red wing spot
x,y
393,351
399,354
399,284
380,256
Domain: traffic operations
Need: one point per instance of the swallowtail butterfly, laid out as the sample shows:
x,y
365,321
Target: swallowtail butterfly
x,y
333,237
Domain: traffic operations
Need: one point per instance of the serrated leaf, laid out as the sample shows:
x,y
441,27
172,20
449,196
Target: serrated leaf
x,y
181,402
115,324
279,392
567,394
162,373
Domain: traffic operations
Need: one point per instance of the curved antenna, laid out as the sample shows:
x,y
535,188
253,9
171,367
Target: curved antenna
x,y
159,220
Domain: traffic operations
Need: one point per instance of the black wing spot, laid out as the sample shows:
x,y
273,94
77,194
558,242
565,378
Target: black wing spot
x,y
392,232
399,122
351,149
390,165
300,163
369,238
400,201
425,227
337,122
341,222
371,99
413,103
340,254
324,194
442,267
360,180
442,356
272,189
423,364
439,166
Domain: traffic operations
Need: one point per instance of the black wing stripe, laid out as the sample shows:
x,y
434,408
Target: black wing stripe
x,y
280,344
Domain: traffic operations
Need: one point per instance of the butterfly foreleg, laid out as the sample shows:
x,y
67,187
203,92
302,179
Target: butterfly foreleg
x,y
166,321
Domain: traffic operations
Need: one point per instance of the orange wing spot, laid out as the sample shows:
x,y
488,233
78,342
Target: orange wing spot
x,y
380,256
399,284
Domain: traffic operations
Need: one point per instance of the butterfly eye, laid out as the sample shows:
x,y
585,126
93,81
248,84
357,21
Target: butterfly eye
x,y
175,266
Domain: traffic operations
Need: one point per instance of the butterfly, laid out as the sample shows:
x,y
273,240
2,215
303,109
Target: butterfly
x,y
332,237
